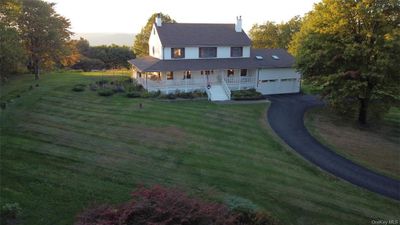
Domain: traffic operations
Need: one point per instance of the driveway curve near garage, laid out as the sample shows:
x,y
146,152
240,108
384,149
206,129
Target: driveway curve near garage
x,y
285,116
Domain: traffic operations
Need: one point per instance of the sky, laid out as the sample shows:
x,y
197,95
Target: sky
x,y
129,16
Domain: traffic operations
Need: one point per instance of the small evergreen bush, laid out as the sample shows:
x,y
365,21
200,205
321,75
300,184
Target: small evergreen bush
x,y
249,94
133,94
79,87
105,92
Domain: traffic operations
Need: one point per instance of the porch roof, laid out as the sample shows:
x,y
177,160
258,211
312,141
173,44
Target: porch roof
x,y
151,64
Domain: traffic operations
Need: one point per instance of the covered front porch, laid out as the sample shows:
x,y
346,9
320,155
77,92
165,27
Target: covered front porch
x,y
187,81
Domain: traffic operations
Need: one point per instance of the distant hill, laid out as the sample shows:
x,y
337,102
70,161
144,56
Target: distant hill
x,y
96,39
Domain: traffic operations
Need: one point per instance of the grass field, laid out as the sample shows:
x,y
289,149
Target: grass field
x,y
376,147
63,150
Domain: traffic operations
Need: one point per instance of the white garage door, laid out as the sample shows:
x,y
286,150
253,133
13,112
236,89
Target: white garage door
x,y
278,81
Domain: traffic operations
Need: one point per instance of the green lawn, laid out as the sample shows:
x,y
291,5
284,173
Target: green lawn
x,y
376,146
62,151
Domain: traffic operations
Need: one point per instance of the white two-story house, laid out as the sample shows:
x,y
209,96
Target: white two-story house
x,y
216,58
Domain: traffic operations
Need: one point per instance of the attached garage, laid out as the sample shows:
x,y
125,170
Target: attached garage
x,y
278,81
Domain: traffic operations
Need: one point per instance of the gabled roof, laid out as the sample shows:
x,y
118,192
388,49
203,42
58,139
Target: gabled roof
x,y
151,64
201,34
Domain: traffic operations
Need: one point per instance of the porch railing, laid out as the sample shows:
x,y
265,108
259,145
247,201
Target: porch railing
x,y
200,82
226,89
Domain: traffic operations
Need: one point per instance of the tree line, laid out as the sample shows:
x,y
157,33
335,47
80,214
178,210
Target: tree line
x,y
101,57
34,37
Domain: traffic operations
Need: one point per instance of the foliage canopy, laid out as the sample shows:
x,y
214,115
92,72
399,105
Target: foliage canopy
x,y
352,50
272,35
141,45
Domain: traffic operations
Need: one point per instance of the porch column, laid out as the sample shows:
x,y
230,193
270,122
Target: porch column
x,y
147,88
184,76
240,80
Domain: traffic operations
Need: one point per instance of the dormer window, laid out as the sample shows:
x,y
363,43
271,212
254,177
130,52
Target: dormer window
x,y
236,51
177,53
207,52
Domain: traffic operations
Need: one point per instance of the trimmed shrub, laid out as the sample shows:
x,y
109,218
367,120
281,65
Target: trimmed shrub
x,y
105,92
79,87
133,94
102,82
187,95
249,94
170,96
199,94
152,94
159,205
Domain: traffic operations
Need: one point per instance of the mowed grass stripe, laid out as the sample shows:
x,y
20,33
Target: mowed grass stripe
x,y
225,148
121,131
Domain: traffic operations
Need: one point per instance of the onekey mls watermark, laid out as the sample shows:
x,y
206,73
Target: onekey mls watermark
x,y
385,222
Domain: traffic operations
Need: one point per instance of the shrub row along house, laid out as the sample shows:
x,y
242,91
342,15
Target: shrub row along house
x,y
217,58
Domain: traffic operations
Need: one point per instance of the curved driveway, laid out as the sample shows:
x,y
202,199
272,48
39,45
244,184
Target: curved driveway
x,y
286,118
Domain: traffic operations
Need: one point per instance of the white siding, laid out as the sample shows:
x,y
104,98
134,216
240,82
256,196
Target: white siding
x,y
278,81
193,52
154,42
246,51
224,52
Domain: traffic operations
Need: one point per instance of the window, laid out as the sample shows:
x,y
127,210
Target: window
x,y
154,31
153,50
139,74
236,51
207,72
243,72
207,52
187,75
170,75
177,53
230,72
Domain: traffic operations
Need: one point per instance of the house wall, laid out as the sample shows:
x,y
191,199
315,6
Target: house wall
x,y
278,81
154,41
193,52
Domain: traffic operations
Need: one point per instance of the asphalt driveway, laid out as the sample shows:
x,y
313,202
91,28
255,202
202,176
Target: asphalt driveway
x,y
285,116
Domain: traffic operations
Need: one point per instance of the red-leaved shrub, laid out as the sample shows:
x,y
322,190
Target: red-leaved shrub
x,y
159,205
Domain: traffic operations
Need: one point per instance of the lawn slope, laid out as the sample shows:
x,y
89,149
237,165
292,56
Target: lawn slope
x,y
62,151
376,147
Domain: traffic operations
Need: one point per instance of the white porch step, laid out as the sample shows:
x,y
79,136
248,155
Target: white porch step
x,y
218,93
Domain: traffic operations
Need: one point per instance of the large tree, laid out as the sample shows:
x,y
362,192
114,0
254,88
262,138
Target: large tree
x,y
272,35
45,33
12,53
141,45
352,49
